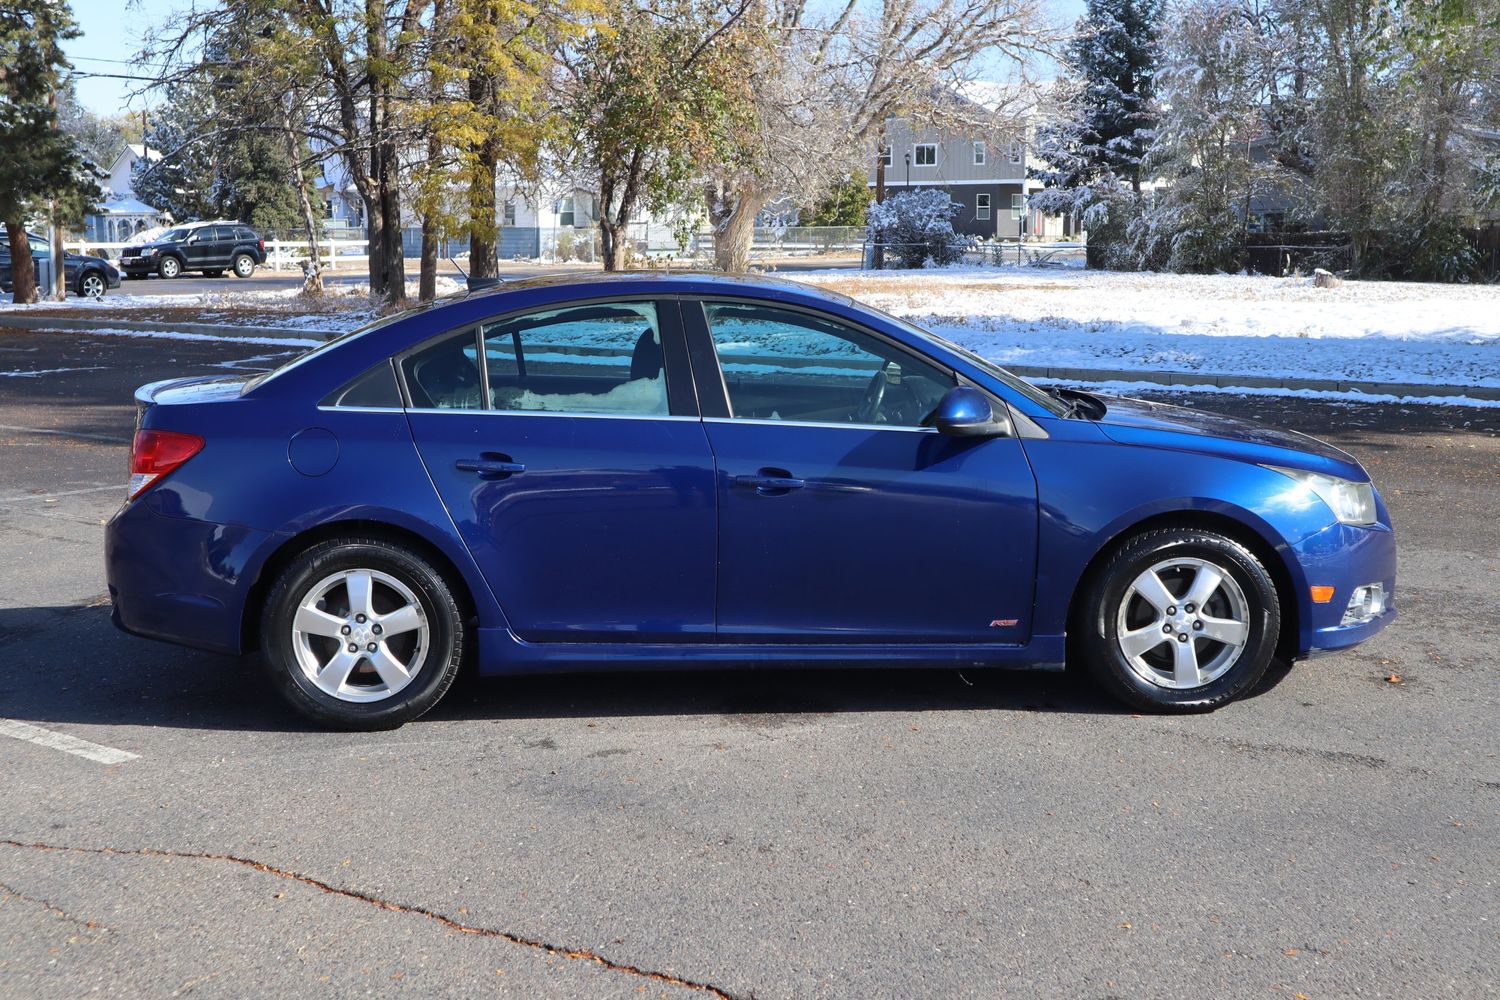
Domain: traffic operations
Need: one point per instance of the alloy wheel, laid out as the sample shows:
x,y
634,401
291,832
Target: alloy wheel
x,y
93,286
1182,623
360,635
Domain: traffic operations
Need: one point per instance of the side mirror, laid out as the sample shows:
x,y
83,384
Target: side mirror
x,y
966,412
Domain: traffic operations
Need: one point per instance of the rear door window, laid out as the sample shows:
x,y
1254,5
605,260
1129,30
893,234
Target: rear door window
x,y
601,358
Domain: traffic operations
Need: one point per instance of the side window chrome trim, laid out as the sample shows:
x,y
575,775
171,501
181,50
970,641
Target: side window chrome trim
x,y
552,413
815,423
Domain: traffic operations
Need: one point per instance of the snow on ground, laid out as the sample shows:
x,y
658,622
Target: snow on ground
x,y
1219,324
343,307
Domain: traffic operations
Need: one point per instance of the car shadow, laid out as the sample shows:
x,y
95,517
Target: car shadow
x,y
70,665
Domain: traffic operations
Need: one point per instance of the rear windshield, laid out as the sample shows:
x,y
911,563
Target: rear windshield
x,y
344,338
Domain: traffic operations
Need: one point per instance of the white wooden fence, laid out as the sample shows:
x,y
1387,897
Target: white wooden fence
x,y
280,254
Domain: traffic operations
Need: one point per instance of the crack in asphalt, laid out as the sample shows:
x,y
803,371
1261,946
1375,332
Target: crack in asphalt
x,y
576,954
52,908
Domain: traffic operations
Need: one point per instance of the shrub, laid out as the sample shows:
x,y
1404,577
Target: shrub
x,y
917,229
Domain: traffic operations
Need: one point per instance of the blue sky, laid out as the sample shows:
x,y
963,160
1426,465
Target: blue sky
x,y
112,35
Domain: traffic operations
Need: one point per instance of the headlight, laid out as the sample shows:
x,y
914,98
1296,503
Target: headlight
x,y
149,252
1351,502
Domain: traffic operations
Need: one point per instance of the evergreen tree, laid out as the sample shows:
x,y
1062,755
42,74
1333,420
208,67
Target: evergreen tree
x,y
1104,117
39,163
845,205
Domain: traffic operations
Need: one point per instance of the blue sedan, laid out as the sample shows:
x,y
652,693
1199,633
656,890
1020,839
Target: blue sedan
x,y
691,470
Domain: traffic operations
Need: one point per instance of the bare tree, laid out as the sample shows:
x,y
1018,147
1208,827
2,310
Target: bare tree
x,y
826,84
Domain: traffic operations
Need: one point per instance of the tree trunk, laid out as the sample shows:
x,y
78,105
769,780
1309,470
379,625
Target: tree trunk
x,y
427,273
484,232
612,241
732,210
393,263
22,268
312,282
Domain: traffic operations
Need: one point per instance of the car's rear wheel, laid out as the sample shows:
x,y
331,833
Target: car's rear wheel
x,y
360,633
92,284
244,265
170,267
1179,620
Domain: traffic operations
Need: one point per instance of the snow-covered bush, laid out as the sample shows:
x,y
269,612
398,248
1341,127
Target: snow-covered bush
x,y
916,228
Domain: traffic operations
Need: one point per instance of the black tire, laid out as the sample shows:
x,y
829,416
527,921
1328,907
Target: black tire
x,y
430,678
213,274
91,283
243,265
1097,626
169,267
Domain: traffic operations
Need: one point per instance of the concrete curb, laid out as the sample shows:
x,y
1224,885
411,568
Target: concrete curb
x,y
27,322
1085,375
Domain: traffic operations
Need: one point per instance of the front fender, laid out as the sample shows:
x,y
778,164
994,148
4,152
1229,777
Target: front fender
x,y
1091,493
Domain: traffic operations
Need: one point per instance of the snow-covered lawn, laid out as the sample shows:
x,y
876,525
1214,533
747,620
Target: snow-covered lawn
x,y
1219,324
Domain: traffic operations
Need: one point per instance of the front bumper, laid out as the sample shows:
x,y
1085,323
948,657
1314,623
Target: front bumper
x,y
138,265
1345,557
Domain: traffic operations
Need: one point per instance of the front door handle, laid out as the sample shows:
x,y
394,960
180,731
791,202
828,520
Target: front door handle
x,y
490,466
771,482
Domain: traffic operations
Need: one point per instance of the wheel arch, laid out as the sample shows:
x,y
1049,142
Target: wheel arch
x,y
294,545
1270,554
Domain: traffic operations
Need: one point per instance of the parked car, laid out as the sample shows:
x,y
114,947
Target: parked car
x,y
90,276
690,470
209,247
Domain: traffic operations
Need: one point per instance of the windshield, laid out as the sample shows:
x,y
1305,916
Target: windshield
x,y
1010,379
174,234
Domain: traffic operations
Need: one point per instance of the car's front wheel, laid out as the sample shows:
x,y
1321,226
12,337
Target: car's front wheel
x,y
92,285
360,633
244,265
1179,620
170,267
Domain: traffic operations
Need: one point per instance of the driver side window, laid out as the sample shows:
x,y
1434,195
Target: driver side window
x,y
781,364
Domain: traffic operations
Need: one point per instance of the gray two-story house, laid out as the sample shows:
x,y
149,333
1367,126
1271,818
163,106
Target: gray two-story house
x,y
986,177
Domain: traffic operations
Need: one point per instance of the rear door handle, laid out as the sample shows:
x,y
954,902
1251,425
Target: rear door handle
x,y
771,482
490,467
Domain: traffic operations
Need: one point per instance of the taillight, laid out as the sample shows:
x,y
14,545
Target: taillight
x,y
262,244
154,453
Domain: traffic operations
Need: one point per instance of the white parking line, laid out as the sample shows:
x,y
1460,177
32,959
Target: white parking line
x,y
107,438
64,493
67,744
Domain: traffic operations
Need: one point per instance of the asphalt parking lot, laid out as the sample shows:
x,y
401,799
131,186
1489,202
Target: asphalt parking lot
x,y
863,834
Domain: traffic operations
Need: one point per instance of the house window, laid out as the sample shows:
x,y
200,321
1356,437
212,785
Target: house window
x,y
979,158
925,154
509,216
981,207
885,156
1018,206
565,212
327,208
1015,152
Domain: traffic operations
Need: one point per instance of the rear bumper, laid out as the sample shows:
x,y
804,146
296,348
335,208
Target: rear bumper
x,y
178,579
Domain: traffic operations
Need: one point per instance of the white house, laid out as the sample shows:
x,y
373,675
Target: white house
x,y
121,215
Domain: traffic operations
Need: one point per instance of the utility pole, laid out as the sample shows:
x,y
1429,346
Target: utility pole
x,y
59,271
877,252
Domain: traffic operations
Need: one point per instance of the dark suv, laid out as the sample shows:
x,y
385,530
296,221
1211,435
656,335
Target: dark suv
x,y
89,276
210,247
